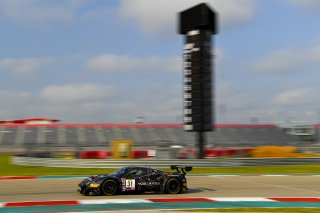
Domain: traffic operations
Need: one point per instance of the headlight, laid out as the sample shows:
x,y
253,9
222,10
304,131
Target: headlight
x,y
94,185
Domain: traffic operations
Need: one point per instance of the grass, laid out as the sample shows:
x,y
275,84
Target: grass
x,y
287,210
8,169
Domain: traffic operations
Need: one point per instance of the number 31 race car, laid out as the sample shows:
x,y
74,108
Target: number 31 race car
x,y
137,179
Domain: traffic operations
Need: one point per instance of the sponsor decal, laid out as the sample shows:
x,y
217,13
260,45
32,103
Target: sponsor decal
x,y
149,183
130,184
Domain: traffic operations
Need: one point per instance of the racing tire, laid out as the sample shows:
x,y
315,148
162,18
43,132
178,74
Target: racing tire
x,y
109,187
173,186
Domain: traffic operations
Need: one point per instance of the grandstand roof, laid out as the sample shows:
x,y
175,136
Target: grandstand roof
x,y
30,121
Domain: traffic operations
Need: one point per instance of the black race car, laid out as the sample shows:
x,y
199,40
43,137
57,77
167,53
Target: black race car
x,y
137,179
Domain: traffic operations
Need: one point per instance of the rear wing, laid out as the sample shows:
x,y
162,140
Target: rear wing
x,y
181,169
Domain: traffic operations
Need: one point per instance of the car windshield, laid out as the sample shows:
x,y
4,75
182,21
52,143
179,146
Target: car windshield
x,y
119,172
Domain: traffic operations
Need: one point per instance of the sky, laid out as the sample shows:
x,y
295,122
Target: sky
x,y
97,61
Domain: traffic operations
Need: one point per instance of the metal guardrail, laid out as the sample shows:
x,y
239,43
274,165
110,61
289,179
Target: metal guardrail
x,y
156,163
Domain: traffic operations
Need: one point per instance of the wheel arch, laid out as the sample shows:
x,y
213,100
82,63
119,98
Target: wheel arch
x,y
170,180
110,179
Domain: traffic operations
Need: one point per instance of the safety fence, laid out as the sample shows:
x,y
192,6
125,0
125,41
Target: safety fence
x,y
156,163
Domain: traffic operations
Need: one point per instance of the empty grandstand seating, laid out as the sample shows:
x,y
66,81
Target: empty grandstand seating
x,y
161,135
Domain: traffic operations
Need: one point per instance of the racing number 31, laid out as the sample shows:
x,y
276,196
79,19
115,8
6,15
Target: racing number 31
x,y
130,184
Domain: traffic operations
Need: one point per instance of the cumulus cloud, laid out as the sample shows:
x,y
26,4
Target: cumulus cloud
x,y
11,97
110,63
289,59
70,103
88,103
234,99
12,101
38,11
24,66
297,96
159,17
160,103
152,18
76,93
113,63
236,105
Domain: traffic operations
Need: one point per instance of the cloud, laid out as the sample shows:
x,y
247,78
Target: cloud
x,y
24,66
298,96
12,101
87,103
11,97
306,4
113,63
160,103
110,63
76,93
280,61
289,59
235,99
39,11
70,103
159,17
236,105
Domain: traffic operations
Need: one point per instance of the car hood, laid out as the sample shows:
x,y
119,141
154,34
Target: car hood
x,y
96,178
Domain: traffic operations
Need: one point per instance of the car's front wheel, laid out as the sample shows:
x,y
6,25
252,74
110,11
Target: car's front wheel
x,y
109,187
173,186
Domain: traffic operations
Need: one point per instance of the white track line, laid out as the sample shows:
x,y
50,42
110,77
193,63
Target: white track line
x,y
113,201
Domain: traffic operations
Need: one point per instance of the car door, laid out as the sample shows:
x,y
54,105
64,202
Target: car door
x,y
132,179
154,179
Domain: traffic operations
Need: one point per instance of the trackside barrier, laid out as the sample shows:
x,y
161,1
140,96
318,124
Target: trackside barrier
x,y
156,163
215,152
152,153
139,153
108,154
276,151
94,154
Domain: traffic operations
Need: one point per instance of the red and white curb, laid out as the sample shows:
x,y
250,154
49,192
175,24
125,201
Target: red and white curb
x,y
17,177
156,200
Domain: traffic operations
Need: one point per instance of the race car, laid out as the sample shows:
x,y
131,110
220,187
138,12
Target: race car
x,y
137,179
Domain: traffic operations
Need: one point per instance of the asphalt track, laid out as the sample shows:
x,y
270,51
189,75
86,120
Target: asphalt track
x,y
44,189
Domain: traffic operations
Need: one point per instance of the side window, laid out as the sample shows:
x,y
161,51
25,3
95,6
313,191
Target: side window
x,y
156,173
132,173
141,172
135,173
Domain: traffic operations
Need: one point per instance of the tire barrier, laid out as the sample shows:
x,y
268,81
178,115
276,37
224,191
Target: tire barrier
x,y
108,154
215,152
139,153
94,154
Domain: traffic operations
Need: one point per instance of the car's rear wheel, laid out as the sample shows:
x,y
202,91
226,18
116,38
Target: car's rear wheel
x,y
173,186
109,187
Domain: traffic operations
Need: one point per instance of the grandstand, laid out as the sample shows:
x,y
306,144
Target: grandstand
x,y
51,134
